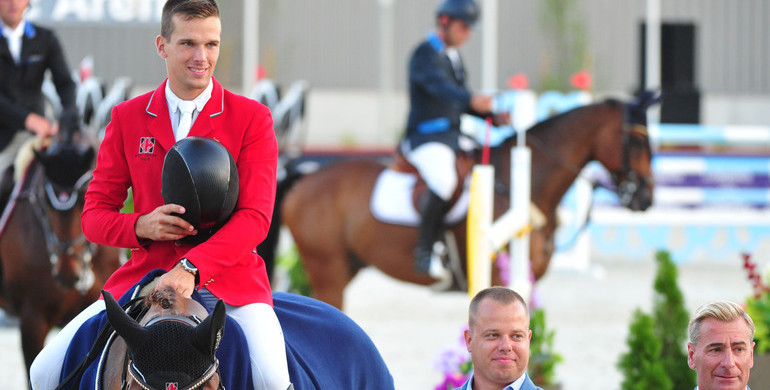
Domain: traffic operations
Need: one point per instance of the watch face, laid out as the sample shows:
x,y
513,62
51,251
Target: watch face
x,y
189,266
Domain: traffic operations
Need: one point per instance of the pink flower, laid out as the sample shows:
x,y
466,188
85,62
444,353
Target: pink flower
x,y
451,381
581,80
518,81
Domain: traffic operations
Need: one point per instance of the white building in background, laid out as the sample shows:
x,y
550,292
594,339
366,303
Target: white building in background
x,y
339,48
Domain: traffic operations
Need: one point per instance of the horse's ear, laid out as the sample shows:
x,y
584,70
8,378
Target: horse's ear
x,y
126,327
647,99
209,333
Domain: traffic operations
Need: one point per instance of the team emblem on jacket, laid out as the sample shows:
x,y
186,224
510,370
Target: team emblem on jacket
x,y
146,145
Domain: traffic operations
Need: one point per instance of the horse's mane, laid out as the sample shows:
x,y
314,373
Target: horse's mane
x,y
555,121
166,298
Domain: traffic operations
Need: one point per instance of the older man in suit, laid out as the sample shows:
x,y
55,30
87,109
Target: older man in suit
x,y
226,266
721,346
498,339
27,51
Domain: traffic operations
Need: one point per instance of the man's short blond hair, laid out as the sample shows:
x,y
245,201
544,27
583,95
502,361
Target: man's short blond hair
x,y
499,294
721,311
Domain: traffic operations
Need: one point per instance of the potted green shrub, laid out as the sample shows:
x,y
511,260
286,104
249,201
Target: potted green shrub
x,y
657,342
641,366
542,357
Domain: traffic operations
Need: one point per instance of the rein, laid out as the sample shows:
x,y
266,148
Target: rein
x,y
55,245
626,188
135,311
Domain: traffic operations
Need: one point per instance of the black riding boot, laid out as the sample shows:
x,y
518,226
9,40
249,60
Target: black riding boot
x,y
6,187
432,210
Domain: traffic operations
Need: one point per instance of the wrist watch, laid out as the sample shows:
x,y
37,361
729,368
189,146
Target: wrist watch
x,y
188,266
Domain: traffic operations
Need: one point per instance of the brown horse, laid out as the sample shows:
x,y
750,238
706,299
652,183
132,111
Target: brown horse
x,y
49,271
336,234
161,340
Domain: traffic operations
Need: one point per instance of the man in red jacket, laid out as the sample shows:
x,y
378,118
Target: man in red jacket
x,y
131,156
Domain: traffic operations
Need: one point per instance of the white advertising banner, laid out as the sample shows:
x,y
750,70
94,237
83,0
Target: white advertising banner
x,y
96,11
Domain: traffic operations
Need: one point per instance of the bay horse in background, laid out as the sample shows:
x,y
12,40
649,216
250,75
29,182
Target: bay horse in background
x,y
150,339
49,272
328,213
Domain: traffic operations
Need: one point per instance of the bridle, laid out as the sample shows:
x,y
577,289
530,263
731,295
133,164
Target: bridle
x,y
140,378
630,183
61,200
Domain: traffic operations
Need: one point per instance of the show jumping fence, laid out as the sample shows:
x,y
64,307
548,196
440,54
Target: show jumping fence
x,y
485,235
712,198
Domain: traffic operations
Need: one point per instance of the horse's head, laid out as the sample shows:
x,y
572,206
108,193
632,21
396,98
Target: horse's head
x,y
66,169
634,181
175,345
67,162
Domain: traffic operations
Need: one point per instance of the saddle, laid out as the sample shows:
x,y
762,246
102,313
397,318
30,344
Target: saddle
x,y
397,191
463,167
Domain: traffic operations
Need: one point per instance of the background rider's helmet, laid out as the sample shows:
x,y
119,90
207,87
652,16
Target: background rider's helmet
x,y
200,175
465,10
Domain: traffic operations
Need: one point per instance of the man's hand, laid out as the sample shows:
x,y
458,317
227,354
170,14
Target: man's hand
x,y
160,225
481,103
177,278
41,126
501,119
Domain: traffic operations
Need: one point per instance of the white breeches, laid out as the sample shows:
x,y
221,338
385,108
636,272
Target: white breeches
x,y
46,369
436,163
8,155
266,345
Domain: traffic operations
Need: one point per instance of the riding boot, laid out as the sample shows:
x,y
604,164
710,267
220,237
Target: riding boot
x,y
6,187
432,209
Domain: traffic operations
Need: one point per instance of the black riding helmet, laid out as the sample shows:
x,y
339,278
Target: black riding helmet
x,y
200,175
465,10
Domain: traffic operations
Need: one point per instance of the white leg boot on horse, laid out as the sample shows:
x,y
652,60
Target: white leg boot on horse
x,y
428,259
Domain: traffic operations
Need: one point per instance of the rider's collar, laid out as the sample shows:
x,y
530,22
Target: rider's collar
x,y
436,42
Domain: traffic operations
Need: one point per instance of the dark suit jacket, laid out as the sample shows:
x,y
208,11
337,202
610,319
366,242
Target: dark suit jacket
x,y
20,84
437,95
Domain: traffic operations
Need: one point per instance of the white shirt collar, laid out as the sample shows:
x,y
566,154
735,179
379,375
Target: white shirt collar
x,y
200,101
173,103
14,36
515,385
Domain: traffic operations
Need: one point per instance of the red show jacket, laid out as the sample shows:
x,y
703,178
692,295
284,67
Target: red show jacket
x,y
131,156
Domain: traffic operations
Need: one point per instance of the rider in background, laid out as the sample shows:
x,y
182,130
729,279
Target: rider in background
x,y
27,51
438,96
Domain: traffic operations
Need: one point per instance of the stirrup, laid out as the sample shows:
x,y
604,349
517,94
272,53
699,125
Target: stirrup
x,y
437,270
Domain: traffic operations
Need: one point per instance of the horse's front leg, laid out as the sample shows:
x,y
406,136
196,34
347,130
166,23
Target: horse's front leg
x,y
541,248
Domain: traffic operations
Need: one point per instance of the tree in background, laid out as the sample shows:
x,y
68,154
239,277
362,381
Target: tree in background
x,y
671,320
641,366
666,333
567,44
